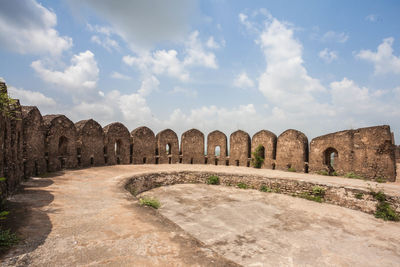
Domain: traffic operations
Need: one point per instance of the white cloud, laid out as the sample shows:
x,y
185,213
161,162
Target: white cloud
x,y
143,24
328,55
120,76
106,42
285,81
331,36
149,84
159,62
212,44
196,55
243,81
184,91
383,59
371,17
31,98
81,74
27,27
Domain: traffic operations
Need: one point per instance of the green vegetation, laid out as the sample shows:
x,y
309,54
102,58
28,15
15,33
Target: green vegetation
x,y
265,188
7,105
7,239
359,195
242,186
324,172
291,169
213,179
380,180
258,157
149,201
317,194
383,208
352,175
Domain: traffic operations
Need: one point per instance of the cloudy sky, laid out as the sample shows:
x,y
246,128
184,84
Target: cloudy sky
x,y
316,66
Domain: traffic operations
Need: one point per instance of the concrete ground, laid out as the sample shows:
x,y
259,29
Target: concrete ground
x,y
86,218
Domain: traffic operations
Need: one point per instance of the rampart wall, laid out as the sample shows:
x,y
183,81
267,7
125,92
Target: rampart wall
x,y
32,144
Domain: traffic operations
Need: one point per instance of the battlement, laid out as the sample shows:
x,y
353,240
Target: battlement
x,y
32,144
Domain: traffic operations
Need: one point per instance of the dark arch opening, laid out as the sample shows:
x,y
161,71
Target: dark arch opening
x,y
330,159
63,146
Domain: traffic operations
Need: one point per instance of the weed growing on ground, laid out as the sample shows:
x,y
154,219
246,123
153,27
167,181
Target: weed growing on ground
x,y
291,169
352,175
380,180
213,179
359,195
7,239
317,194
323,172
242,186
383,208
265,188
149,201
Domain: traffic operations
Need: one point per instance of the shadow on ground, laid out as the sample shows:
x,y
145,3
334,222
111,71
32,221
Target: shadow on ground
x,y
26,217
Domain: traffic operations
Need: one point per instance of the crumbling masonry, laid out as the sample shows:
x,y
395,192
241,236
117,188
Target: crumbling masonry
x,y
32,144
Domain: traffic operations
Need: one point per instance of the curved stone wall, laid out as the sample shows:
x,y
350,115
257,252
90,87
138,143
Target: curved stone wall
x,y
31,144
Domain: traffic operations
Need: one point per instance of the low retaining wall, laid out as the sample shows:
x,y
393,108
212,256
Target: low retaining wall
x,y
353,198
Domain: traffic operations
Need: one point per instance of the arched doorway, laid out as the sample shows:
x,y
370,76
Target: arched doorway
x,y
217,152
330,158
168,149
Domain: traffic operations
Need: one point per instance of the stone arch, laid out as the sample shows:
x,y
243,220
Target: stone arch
x,y
217,139
90,142
167,137
292,151
268,140
239,143
143,146
331,158
33,136
192,147
117,143
60,155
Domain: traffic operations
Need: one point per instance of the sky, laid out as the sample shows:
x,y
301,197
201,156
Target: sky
x,y
315,66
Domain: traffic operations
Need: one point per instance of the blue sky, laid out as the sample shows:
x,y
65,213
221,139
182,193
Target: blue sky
x,y
315,66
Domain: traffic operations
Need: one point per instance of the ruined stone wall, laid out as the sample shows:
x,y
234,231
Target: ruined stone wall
x,y
292,151
143,146
367,152
266,139
33,141
167,138
89,143
239,149
192,147
397,152
217,139
117,144
11,147
60,143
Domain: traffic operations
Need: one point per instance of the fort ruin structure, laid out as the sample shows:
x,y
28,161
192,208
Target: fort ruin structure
x,y
32,144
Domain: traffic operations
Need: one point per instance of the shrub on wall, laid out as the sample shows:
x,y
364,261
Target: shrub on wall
x,y
258,157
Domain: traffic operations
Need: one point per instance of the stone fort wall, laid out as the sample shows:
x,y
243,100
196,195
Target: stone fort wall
x,y
32,144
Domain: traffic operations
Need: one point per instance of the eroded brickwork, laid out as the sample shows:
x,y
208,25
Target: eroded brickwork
x,y
367,152
89,143
167,147
34,135
397,154
292,151
60,143
192,147
217,148
117,144
143,146
239,148
267,140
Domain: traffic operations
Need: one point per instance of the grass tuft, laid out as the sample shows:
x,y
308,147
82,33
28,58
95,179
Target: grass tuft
x,y
213,179
291,169
242,186
149,201
7,239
